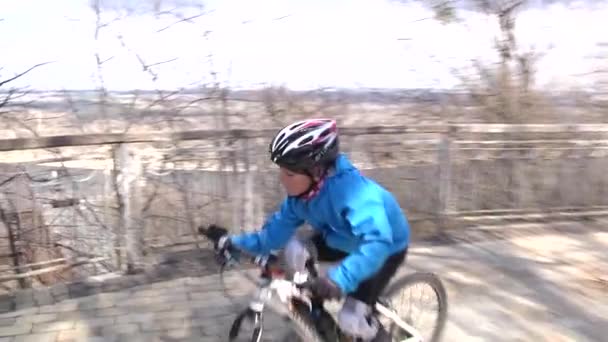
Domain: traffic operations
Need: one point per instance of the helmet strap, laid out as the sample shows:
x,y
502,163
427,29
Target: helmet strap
x,y
316,181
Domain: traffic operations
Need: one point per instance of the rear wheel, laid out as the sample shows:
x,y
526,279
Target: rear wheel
x,y
410,288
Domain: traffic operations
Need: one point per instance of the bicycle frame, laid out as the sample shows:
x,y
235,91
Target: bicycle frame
x,y
288,289
392,315
284,289
274,282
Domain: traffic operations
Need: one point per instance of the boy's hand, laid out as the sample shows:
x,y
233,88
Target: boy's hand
x,y
326,288
222,245
214,233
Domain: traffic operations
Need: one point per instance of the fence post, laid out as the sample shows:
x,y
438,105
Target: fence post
x,y
129,188
446,205
249,147
108,198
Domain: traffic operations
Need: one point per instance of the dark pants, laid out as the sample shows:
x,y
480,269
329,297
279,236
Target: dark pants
x,y
370,289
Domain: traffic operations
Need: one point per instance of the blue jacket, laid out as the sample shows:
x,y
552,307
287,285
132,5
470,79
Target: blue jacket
x,y
353,213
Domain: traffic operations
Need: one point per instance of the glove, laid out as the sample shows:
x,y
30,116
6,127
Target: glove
x,y
225,252
325,288
214,233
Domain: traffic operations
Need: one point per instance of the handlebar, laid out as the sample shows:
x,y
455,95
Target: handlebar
x,y
268,263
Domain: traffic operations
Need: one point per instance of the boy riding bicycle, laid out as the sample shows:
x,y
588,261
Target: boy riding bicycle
x,y
355,220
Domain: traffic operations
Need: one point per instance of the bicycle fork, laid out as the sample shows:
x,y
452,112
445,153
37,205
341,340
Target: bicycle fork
x,y
253,313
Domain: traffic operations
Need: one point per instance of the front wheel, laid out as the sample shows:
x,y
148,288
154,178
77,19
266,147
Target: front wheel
x,y
257,318
304,328
395,294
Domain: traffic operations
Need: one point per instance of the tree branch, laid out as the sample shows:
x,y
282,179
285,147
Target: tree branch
x,y
50,269
42,263
22,73
182,20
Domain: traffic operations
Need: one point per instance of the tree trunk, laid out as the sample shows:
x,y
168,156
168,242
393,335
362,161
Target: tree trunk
x,y
12,240
129,191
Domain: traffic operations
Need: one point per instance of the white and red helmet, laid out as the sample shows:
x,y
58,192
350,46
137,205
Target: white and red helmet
x,y
304,144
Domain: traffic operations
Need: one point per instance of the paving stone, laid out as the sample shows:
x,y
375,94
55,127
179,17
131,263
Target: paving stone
x,y
19,313
95,322
59,290
7,321
113,311
82,289
45,337
16,329
101,339
136,317
70,315
129,328
201,311
145,308
174,314
43,297
215,329
61,297
7,304
26,295
38,318
68,305
53,326
141,301
180,334
96,302
211,298
24,299
72,335
147,293
140,337
166,324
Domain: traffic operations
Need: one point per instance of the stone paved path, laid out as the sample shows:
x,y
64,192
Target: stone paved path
x,y
549,287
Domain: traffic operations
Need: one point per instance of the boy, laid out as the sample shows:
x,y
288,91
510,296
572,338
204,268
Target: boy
x,y
355,219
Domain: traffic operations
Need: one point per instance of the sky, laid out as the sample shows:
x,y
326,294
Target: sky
x,y
298,44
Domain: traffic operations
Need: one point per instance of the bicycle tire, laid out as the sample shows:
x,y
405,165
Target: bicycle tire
x,y
436,284
302,328
257,334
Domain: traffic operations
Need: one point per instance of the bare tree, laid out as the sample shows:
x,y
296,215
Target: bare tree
x,y
503,92
12,102
161,110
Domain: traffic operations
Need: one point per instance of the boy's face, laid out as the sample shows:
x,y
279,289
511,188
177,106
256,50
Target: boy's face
x,y
294,183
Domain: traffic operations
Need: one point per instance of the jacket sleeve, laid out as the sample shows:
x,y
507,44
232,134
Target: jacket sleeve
x,y
366,214
274,234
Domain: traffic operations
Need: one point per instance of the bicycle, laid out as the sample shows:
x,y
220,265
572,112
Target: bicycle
x,y
310,321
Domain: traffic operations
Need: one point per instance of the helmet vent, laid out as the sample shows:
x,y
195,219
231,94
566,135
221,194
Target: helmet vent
x,y
306,141
296,125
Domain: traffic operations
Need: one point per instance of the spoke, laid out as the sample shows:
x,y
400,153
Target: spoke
x,y
418,318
